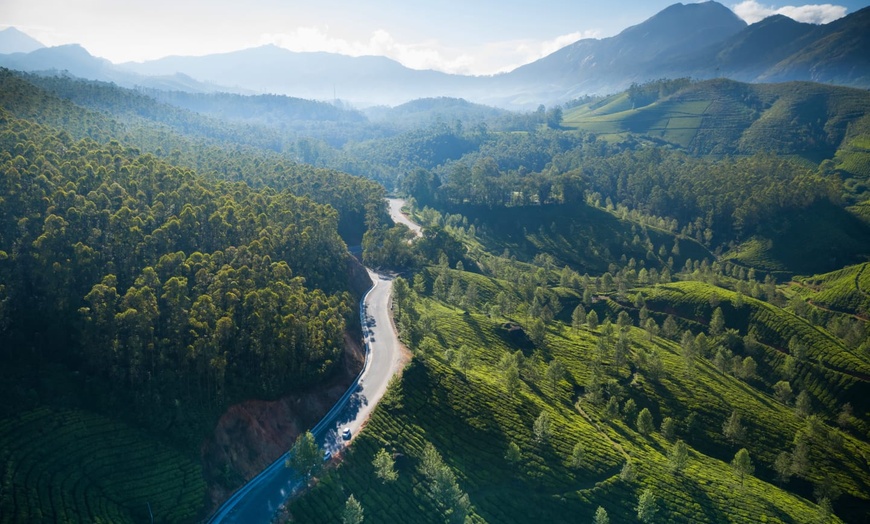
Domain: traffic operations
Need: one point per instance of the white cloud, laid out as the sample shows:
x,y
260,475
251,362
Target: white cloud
x,y
487,59
752,11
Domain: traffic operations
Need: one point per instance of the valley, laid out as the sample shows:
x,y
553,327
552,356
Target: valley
x,y
624,282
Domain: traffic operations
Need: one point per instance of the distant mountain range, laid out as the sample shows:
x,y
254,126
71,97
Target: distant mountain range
x,y
705,40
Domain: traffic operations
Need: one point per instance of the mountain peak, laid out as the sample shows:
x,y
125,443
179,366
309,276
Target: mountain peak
x,y
14,41
677,19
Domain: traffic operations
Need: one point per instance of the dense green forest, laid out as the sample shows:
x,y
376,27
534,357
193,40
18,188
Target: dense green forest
x,y
155,295
610,317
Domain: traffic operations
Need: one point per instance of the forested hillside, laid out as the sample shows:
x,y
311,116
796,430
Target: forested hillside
x,y
257,155
140,298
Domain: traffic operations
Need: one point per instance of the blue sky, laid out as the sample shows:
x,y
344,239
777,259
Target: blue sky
x,y
461,36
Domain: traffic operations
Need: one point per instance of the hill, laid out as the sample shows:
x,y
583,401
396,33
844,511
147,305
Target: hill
x,y
273,110
366,80
75,60
820,238
259,154
14,41
600,66
819,123
588,239
845,290
473,414
428,111
118,271
726,117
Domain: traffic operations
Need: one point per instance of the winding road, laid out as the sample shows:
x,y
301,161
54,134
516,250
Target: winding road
x,y
260,499
401,218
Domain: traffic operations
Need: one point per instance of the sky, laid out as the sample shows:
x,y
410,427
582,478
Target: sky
x,y
456,36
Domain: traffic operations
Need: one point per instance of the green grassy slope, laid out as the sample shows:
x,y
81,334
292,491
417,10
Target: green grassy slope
x,y
846,290
832,372
471,419
726,117
559,230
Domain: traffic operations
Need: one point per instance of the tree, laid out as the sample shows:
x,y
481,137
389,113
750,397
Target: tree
x,y
592,320
587,296
690,425
678,457
782,466
555,372
646,506
537,332
669,328
688,351
385,466
469,301
554,118
627,473
513,453
629,409
803,405
542,427
720,361
652,329
748,368
733,429
655,368
825,511
844,418
463,359
742,465
577,455
800,455
620,351
305,455
601,516
443,488
717,322
353,512
623,320
797,349
511,376
783,392
645,424
826,490
419,285
669,429
611,409
578,317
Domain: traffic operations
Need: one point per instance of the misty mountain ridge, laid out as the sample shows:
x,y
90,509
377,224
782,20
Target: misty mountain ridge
x,y
701,41
14,41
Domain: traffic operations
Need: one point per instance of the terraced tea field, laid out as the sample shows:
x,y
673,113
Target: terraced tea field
x,y
72,466
469,416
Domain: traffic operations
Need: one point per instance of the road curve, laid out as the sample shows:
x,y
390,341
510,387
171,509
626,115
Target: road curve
x,y
401,218
260,499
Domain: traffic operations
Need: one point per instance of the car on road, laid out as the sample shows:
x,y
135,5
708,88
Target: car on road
x,y
345,433
327,455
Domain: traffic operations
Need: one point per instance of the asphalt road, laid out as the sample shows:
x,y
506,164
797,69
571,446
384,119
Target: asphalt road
x,y
259,500
400,218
